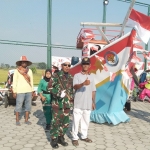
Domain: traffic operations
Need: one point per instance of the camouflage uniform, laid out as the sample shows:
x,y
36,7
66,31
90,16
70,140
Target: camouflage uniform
x,y
60,106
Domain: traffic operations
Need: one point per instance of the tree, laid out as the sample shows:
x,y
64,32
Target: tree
x,y
2,65
42,65
7,66
13,67
34,71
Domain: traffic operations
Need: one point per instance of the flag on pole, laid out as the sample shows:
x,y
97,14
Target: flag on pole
x,y
141,23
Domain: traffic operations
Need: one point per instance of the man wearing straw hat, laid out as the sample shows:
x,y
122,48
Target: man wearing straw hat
x,y
22,88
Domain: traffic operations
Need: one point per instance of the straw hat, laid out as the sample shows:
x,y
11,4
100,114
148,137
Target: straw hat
x,y
23,58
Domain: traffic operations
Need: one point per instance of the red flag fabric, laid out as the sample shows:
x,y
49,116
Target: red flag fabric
x,y
141,23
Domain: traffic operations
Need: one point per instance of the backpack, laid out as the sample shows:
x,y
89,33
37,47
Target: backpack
x,y
142,77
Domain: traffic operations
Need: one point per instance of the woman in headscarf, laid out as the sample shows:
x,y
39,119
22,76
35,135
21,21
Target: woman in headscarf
x,y
46,97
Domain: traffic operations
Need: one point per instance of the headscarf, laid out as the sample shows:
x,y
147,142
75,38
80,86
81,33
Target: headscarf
x,y
65,60
45,78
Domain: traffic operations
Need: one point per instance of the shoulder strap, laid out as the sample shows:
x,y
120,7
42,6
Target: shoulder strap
x,y
26,76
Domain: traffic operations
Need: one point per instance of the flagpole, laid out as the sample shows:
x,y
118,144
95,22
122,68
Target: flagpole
x,y
126,17
104,14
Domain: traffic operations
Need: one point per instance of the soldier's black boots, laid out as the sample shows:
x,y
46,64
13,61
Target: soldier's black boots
x,y
61,140
54,143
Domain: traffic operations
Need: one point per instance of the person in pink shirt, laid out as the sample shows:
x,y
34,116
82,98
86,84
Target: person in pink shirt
x,y
145,94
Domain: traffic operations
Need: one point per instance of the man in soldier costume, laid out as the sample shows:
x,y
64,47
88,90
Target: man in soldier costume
x,y
61,88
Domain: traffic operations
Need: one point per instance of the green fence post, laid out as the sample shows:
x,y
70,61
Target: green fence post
x,y
49,23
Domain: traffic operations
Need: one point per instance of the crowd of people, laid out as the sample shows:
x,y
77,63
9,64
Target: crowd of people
x,y
139,87
59,92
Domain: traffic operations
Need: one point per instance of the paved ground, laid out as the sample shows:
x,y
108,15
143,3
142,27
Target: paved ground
x,y
134,135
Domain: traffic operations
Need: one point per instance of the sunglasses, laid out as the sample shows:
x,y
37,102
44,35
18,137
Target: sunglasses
x,y
85,64
66,65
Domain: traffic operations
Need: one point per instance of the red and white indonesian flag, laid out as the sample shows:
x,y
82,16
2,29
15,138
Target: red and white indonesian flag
x,y
138,48
141,23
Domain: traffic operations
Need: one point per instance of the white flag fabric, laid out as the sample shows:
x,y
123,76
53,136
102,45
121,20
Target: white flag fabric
x,y
112,76
135,59
141,23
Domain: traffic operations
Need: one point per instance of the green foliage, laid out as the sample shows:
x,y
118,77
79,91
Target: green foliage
x,y
3,76
36,77
5,66
13,67
34,71
42,65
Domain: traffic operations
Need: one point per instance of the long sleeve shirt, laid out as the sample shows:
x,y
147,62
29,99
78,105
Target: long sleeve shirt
x,y
55,89
20,85
43,87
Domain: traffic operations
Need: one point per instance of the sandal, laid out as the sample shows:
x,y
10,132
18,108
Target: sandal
x,y
87,140
18,124
75,143
28,122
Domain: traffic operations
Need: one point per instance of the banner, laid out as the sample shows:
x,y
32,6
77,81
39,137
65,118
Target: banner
x,y
112,87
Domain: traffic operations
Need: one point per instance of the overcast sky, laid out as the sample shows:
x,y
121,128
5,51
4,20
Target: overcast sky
x,y
26,20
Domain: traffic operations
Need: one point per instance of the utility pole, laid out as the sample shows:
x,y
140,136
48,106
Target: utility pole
x,y
105,2
49,24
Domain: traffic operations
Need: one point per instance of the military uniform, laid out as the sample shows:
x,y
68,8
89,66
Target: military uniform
x,y
60,106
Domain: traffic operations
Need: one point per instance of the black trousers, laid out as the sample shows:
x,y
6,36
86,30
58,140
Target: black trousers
x,y
128,105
